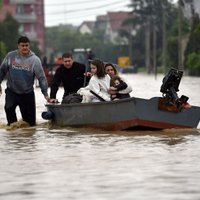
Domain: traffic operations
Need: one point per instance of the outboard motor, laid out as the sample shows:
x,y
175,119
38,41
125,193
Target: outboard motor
x,y
170,85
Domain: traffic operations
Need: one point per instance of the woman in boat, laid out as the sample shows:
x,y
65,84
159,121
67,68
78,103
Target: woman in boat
x,y
99,84
122,89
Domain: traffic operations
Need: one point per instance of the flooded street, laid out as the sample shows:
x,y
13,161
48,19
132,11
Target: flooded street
x,y
42,163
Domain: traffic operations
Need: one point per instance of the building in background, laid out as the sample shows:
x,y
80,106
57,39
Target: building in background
x,y
86,27
110,24
30,16
114,24
101,22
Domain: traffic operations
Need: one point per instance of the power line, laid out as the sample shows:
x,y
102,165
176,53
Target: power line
x,y
73,3
86,9
74,17
81,15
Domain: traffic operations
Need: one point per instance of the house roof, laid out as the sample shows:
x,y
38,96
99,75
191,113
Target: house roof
x,y
89,24
116,19
86,27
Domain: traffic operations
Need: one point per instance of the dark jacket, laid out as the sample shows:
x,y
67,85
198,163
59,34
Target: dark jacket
x,y
120,87
72,79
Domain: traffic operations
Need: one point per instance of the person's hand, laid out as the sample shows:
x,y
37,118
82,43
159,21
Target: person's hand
x,y
47,98
113,96
113,88
112,91
0,90
53,101
88,74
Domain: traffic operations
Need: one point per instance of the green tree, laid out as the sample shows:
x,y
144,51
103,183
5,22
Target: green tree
x,y
61,41
2,51
193,63
9,32
192,52
148,18
34,48
172,53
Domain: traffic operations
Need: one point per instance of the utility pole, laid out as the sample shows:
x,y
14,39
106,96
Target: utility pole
x,y
147,47
154,50
180,57
130,48
164,48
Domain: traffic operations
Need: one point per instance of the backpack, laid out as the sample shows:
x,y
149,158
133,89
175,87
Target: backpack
x,y
72,98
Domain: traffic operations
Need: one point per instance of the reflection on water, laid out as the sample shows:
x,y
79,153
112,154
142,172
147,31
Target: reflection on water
x,y
43,163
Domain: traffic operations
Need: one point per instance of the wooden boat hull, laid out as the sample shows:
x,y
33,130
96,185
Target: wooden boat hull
x,y
123,114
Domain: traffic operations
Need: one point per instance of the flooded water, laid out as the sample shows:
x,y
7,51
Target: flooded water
x,y
42,163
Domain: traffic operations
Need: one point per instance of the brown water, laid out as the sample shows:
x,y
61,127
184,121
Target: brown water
x,y
41,163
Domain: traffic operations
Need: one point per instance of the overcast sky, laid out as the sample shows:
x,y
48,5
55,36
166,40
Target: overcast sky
x,y
63,12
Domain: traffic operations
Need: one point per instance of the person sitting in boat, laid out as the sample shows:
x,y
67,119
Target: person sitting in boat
x,y
99,84
117,84
70,74
111,71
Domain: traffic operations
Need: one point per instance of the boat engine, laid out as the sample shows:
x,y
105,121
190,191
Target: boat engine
x,y
170,86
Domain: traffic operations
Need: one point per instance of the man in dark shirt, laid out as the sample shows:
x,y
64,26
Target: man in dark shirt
x,y
70,74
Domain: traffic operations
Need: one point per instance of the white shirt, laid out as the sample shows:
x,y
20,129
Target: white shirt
x,y
100,86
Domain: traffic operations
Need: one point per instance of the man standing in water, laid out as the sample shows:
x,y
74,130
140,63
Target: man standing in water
x,y
21,66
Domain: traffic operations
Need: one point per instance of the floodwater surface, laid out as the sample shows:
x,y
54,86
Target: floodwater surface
x,y
44,163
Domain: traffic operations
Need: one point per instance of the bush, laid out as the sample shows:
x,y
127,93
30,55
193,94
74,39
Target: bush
x,y
193,63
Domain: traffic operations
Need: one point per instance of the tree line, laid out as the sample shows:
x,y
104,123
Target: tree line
x,y
9,34
163,39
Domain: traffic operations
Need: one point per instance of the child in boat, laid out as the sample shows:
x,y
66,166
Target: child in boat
x,y
98,86
117,84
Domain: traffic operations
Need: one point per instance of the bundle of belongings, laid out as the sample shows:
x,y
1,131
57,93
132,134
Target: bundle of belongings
x,y
72,98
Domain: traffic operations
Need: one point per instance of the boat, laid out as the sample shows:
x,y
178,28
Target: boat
x,y
165,112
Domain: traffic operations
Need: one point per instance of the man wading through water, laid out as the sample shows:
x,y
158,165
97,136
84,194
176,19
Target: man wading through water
x,y
21,66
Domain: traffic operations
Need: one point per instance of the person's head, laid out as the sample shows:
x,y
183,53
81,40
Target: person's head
x,y
115,80
67,60
97,68
110,69
23,45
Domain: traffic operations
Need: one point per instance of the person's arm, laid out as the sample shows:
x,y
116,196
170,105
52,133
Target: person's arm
x,y
83,69
55,84
121,86
0,90
127,90
3,71
87,78
39,73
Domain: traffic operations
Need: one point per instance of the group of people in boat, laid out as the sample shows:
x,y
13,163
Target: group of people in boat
x,y
21,66
102,82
